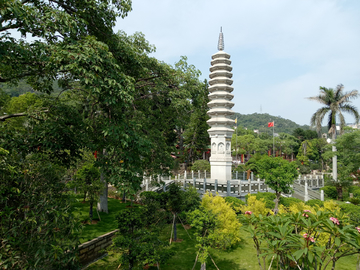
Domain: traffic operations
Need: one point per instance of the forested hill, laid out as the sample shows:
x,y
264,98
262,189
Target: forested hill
x,y
260,121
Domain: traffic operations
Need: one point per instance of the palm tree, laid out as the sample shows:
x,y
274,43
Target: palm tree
x,y
336,102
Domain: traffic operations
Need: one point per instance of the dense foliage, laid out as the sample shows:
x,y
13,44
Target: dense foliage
x,y
37,227
306,240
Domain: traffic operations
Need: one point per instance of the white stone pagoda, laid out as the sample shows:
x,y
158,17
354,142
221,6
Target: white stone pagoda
x,y
220,112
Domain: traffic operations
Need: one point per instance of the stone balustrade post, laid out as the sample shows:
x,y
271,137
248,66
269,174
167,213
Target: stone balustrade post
x,y
317,181
228,188
204,185
147,185
322,195
216,185
306,196
259,185
194,180
249,182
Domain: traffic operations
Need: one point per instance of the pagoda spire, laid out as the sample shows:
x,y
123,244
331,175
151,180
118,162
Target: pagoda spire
x,y
221,45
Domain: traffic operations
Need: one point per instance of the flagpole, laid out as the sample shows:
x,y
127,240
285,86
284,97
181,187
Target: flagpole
x,y
273,139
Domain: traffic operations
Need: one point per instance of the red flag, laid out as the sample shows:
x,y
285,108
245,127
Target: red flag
x,y
95,154
270,124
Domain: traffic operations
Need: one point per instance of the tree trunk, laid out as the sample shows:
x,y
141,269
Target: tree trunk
x,y
102,205
131,261
175,231
334,159
91,209
339,192
203,266
276,208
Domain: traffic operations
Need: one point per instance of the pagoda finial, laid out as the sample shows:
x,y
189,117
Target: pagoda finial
x,y
221,41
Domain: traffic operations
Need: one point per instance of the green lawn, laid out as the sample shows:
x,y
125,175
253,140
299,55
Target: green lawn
x,y
242,257
108,222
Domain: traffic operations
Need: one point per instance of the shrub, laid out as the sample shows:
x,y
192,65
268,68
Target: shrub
x,y
191,199
148,197
330,192
255,206
235,203
315,203
201,165
227,231
268,198
304,169
353,211
355,201
331,206
296,208
287,202
355,190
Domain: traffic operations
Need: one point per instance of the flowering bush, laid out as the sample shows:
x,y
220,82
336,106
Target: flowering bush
x,y
305,240
335,220
256,207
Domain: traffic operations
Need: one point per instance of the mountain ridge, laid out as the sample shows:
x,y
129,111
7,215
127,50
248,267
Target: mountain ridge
x,y
259,121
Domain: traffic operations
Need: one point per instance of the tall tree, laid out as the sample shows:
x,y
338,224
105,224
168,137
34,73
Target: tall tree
x,y
196,138
336,102
279,174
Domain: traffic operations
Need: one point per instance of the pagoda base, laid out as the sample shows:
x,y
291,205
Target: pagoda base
x,y
220,170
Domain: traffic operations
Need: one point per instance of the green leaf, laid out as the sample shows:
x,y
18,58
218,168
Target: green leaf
x,y
337,241
298,254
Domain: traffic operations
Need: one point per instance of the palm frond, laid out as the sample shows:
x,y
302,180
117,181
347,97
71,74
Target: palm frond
x,y
347,96
319,99
318,117
338,91
351,110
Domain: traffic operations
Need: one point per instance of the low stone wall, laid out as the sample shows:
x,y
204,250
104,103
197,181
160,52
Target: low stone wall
x,y
91,250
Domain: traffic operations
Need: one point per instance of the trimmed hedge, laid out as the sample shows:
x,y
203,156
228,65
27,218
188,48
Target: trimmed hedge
x,y
234,202
315,203
267,196
287,202
330,192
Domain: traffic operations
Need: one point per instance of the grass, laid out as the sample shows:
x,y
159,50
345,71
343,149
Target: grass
x,y
108,221
243,257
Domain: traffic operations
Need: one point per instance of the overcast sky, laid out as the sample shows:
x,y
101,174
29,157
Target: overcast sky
x,y
281,50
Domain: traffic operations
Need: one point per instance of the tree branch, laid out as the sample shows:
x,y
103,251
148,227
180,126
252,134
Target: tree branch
x,y
3,118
